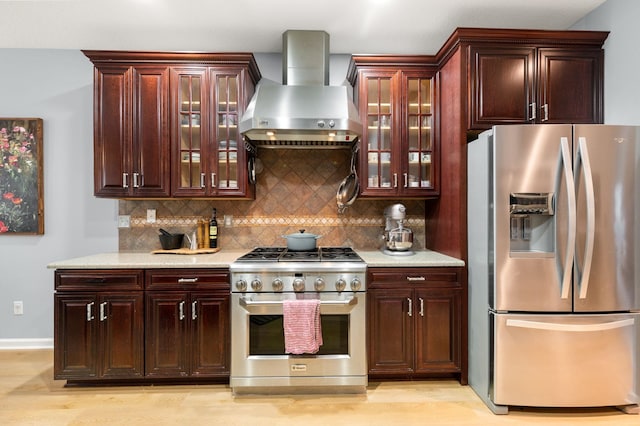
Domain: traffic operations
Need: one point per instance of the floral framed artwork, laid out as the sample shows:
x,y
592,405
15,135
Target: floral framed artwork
x,y
21,176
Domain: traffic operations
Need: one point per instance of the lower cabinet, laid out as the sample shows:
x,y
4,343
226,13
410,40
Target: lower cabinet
x,y
141,325
98,331
414,321
187,334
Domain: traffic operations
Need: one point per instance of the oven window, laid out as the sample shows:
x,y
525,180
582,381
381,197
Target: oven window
x,y
266,335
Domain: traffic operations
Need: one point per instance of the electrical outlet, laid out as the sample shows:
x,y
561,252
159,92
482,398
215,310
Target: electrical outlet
x,y
228,220
151,215
18,307
124,221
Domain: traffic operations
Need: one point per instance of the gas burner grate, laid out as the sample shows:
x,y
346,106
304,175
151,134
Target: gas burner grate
x,y
282,254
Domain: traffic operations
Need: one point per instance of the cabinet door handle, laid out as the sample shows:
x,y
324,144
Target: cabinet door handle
x,y
213,180
90,316
410,311
194,306
201,180
416,278
532,116
395,180
545,108
181,310
135,180
125,178
406,180
421,306
103,307
188,280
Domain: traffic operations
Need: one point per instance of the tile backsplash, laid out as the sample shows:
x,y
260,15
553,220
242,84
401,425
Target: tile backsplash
x,y
295,189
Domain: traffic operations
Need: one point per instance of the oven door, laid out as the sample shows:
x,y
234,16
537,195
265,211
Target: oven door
x,y
258,356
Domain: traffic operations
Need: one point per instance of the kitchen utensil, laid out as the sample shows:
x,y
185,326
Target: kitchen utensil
x,y
166,233
349,187
301,241
171,241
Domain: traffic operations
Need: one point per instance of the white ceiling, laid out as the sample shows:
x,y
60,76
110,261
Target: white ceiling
x,y
354,26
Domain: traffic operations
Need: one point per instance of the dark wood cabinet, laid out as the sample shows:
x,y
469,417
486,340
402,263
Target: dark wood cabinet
x,y
209,157
527,76
165,124
398,149
415,322
131,137
109,327
98,332
187,323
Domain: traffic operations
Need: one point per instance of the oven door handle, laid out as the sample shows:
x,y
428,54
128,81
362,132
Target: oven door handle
x,y
244,301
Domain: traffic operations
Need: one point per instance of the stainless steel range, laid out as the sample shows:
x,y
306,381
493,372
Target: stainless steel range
x,y
261,281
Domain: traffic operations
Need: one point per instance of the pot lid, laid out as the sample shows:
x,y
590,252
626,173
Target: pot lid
x,y
301,234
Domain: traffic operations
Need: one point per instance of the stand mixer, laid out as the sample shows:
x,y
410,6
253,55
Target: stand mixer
x,y
398,239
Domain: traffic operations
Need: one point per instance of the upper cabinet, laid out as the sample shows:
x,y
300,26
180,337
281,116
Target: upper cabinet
x,y
165,124
398,148
131,137
208,153
528,76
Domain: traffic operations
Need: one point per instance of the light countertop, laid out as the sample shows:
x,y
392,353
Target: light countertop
x,y
222,259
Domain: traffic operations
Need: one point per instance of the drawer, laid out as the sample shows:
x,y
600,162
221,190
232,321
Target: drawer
x,y
99,279
187,279
430,276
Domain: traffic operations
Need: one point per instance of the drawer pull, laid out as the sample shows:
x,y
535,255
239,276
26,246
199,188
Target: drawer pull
x,y
96,280
188,280
194,307
181,310
103,315
410,311
90,316
421,306
416,279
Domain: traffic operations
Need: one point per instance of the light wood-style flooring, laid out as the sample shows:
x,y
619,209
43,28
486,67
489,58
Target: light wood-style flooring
x,y
30,396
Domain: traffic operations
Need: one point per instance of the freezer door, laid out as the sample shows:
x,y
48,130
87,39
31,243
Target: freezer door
x,y
607,178
565,360
532,270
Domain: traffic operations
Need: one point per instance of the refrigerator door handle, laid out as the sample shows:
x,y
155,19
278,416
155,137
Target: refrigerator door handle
x,y
582,156
552,326
565,159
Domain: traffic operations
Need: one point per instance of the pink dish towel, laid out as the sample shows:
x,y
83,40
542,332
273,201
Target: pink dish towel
x,y
302,329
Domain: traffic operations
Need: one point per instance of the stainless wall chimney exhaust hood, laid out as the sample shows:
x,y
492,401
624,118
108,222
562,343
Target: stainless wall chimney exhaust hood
x,y
303,112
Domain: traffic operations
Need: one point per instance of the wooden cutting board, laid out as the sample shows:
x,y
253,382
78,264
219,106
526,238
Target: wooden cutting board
x,y
185,250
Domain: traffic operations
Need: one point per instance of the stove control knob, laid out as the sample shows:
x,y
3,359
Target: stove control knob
x,y
341,284
356,284
319,284
277,284
298,284
256,284
241,285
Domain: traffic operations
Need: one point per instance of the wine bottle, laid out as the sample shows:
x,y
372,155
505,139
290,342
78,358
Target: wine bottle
x,y
213,231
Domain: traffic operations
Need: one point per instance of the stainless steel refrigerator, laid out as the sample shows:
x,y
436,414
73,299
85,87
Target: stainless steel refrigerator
x,y
554,266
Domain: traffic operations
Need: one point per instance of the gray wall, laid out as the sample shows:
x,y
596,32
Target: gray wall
x,y
622,61
56,85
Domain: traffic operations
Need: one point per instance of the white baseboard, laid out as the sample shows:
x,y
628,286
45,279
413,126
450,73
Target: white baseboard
x,y
13,344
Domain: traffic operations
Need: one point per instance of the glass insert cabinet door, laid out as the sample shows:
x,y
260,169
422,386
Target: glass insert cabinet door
x,y
399,160
192,150
419,172
227,130
208,135
380,173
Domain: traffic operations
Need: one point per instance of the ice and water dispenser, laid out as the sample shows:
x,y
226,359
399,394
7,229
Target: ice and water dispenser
x,y
532,225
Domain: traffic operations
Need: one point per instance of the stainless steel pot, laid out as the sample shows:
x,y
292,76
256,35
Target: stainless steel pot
x,y
399,239
301,241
